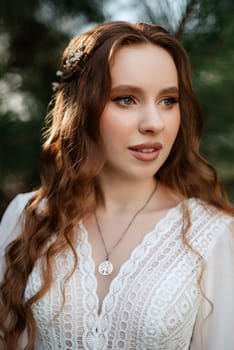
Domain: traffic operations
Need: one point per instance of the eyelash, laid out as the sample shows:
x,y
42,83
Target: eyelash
x,y
121,98
171,100
166,100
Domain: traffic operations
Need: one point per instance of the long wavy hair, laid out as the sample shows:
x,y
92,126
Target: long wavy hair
x,y
72,158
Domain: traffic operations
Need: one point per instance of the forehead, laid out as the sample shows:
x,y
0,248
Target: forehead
x,y
143,63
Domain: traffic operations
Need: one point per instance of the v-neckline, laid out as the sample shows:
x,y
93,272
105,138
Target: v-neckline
x,y
124,267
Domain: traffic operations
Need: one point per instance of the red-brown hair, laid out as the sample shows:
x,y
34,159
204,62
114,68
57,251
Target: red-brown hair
x,y
72,158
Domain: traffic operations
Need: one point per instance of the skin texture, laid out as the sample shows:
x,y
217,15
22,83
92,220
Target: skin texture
x,y
143,108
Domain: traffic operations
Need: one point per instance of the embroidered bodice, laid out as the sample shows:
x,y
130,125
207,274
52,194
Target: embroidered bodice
x,y
154,302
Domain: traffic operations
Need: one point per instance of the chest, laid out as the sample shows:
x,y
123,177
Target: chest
x,y
153,299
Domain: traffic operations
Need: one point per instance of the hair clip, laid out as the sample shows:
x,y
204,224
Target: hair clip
x,y
55,86
74,57
69,67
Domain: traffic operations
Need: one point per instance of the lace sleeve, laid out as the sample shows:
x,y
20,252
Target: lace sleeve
x,y
11,224
10,228
214,330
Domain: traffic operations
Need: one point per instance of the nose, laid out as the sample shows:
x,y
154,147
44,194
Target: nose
x,y
151,120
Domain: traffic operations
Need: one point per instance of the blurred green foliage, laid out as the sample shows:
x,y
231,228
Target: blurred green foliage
x,y
210,44
32,38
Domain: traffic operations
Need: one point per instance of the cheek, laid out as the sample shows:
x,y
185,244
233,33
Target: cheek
x,y
113,126
109,129
173,127
109,132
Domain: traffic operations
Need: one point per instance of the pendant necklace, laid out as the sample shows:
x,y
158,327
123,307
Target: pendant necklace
x,y
105,268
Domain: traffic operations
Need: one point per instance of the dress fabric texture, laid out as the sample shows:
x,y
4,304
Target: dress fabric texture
x,y
154,302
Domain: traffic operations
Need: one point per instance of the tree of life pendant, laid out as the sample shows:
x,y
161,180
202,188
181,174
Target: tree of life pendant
x,y
105,268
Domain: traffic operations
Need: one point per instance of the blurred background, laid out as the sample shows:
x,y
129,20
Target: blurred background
x,y
33,34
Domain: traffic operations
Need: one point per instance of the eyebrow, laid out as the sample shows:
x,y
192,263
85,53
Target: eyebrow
x,y
127,88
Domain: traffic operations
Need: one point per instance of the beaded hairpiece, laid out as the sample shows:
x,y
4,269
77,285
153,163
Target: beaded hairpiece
x,y
70,65
74,57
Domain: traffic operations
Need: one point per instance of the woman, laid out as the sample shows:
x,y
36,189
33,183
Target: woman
x,y
127,244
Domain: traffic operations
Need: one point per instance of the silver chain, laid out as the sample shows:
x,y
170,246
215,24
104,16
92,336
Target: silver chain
x,y
108,253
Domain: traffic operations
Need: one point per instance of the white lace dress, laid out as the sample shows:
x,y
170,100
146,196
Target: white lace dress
x,y
154,302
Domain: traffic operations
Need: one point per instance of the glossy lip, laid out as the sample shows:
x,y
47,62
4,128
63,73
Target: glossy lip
x,y
136,151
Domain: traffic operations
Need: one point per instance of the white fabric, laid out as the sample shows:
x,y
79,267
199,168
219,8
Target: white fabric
x,y
154,302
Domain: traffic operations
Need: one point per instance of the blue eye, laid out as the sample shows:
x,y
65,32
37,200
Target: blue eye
x,y
169,101
124,100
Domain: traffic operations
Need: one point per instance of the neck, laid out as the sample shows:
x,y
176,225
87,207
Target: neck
x,y
120,196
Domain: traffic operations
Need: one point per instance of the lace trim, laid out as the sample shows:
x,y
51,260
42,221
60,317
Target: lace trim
x,y
120,281
89,288
171,222
151,303
129,266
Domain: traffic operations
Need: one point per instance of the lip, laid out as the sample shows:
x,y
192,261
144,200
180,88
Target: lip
x,y
151,152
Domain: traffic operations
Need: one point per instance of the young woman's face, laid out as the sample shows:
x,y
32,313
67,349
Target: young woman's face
x,y
140,121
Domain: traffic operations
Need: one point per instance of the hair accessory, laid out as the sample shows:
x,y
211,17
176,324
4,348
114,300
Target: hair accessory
x,y
55,86
70,66
74,57
106,267
59,73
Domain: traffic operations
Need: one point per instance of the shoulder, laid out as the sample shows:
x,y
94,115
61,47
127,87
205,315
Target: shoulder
x,y
209,227
16,206
214,233
200,210
13,217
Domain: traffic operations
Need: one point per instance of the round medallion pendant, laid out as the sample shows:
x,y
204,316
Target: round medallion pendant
x,y
105,268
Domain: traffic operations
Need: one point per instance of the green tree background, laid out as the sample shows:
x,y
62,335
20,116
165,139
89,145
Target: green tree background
x,y
33,36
